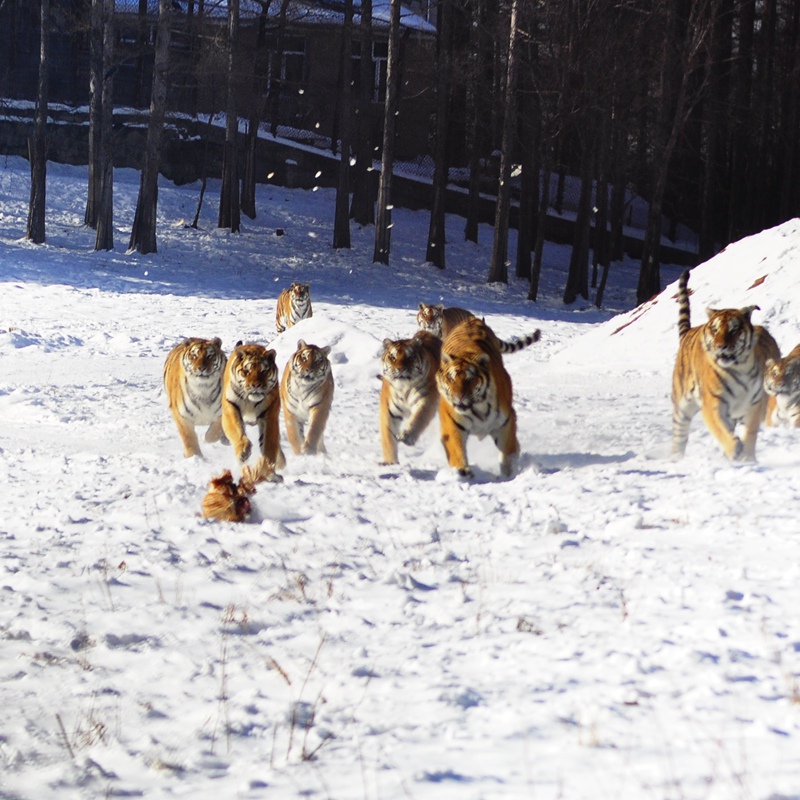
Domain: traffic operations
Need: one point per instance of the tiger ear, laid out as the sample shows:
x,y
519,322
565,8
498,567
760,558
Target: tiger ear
x,y
301,344
387,343
271,354
238,344
421,306
439,306
748,310
446,358
711,311
217,342
483,360
326,349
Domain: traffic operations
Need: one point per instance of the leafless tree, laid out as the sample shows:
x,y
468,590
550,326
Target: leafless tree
x,y
341,223
38,143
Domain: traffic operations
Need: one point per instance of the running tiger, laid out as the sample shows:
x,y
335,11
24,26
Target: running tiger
x,y
306,396
440,320
408,399
719,370
193,382
782,385
294,304
476,395
250,396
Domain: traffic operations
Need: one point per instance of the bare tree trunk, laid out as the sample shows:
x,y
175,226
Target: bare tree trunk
x,y
105,200
578,274
435,253
248,200
38,144
383,226
95,110
363,204
276,79
498,269
341,225
229,210
143,234
541,223
476,39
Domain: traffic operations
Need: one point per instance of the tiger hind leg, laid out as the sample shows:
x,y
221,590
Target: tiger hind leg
x,y
317,419
752,422
215,432
682,415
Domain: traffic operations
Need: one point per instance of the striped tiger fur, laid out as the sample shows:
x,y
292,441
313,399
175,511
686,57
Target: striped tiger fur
x,y
440,320
193,382
719,370
782,385
293,305
250,396
408,400
476,393
306,397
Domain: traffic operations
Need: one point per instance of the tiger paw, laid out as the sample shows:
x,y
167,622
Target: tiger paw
x,y
738,450
407,438
245,449
466,472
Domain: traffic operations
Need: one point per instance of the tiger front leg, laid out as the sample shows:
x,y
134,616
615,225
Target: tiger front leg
x,y
294,432
191,445
389,426
752,422
317,420
454,440
718,421
269,437
506,441
233,426
418,421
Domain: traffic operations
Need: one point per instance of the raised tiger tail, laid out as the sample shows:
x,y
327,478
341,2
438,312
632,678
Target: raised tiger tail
x,y
519,342
684,317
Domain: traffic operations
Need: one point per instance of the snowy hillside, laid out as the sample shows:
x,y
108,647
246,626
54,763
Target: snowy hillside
x,y
605,624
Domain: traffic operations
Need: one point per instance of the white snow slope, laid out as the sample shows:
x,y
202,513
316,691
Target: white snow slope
x,y
605,624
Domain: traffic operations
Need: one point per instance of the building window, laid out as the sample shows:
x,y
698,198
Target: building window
x,y
380,55
293,60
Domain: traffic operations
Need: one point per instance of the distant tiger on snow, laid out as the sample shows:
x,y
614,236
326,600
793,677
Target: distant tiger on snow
x,y
476,394
193,382
250,396
782,385
306,397
719,370
440,320
294,304
409,399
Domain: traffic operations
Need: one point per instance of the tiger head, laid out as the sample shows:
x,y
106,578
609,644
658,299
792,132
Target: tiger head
x,y
300,293
402,359
431,318
203,358
782,377
728,336
463,382
310,362
253,371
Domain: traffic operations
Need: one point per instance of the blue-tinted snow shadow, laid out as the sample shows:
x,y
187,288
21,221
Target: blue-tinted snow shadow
x,y
559,461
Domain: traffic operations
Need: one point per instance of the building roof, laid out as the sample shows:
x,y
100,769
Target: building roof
x,y
307,12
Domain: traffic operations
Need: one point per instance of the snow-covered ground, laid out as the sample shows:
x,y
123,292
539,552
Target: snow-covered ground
x,y
606,624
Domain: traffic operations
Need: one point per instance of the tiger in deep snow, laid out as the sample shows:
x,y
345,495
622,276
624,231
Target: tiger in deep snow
x,y
306,397
293,305
409,399
719,370
476,394
782,385
251,396
193,382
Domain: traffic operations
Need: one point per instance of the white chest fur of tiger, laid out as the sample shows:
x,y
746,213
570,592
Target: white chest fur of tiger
x,y
476,394
409,399
782,385
251,396
193,382
719,370
440,320
306,397
294,304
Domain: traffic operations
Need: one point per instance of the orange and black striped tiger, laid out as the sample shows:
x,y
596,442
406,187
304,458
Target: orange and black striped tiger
x,y
193,382
719,370
306,397
782,385
476,394
293,305
250,396
408,400
440,320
